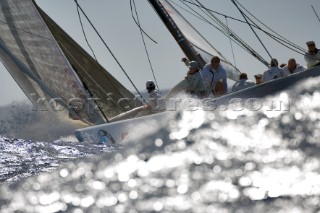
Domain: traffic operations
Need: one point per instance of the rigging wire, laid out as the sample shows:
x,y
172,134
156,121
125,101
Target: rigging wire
x,y
232,50
105,44
245,17
277,39
133,7
315,12
281,40
223,29
280,37
84,33
197,15
220,30
200,6
139,26
252,24
228,32
204,19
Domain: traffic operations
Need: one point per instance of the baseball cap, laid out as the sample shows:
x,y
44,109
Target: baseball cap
x,y
193,64
258,76
243,76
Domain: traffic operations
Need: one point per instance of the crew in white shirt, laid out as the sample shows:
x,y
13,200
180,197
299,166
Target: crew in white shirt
x,y
214,72
243,83
155,102
293,67
273,73
312,57
196,83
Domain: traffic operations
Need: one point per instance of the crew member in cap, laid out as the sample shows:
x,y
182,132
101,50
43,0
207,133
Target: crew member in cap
x,y
312,57
258,78
273,72
213,73
242,83
155,102
195,80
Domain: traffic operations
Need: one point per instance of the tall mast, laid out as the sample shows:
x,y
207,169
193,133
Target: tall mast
x,y
184,44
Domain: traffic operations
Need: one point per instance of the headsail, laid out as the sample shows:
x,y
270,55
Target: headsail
x,y
198,42
113,97
47,63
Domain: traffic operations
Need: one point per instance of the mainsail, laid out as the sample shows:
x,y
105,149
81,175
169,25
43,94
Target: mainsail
x,y
47,63
197,41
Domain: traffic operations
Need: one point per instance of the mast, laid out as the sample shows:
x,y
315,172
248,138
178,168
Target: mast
x,y
184,44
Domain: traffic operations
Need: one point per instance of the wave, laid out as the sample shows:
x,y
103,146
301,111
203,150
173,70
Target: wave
x,y
22,120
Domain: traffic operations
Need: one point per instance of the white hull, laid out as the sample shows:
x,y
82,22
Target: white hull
x,y
133,129
122,131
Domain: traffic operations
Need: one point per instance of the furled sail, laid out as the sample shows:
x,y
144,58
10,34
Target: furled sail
x,y
47,63
198,42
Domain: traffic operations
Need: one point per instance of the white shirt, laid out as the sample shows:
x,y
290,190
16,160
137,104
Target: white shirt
x,y
211,77
242,84
155,101
272,73
196,83
312,59
299,68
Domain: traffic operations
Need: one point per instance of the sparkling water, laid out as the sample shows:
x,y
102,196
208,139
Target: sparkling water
x,y
235,160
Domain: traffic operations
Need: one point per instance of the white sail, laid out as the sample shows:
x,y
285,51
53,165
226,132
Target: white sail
x,y
47,63
199,43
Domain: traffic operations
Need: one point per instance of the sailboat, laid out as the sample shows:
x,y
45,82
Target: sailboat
x,y
196,48
52,70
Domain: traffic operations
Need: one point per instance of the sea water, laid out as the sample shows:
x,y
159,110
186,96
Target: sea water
x,y
262,159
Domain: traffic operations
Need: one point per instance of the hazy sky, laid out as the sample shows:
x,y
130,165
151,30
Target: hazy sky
x,y
294,19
